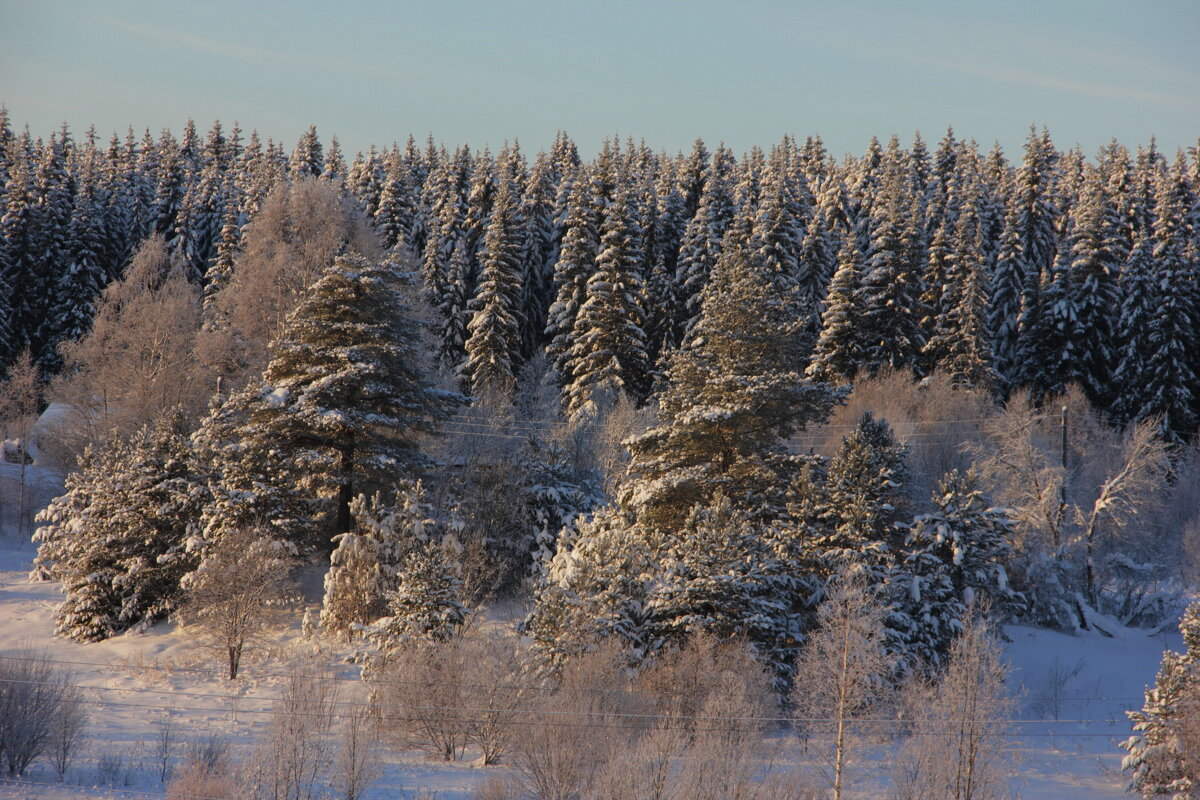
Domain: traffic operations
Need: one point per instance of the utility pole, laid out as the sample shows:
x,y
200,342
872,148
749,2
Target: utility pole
x,y
1062,484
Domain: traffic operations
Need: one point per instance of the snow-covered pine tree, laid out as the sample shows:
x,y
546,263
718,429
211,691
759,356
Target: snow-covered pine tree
x,y
494,344
117,538
343,394
608,354
596,588
732,393
252,484
1164,751
425,604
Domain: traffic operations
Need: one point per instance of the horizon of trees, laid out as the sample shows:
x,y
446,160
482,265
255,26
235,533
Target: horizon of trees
x,y
1054,270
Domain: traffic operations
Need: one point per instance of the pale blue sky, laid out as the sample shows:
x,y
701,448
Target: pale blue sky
x,y
483,71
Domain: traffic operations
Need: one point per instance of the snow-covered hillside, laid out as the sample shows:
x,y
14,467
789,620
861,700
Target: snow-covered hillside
x,y
1073,692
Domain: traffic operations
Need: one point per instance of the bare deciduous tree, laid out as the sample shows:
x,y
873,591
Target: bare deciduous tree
x,y
1075,503
421,691
491,669
842,679
299,230
35,693
20,394
297,753
67,730
206,772
237,595
958,748
137,361
573,731
166,741
357,764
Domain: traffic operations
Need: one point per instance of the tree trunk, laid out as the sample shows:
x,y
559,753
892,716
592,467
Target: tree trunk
x,y
346,490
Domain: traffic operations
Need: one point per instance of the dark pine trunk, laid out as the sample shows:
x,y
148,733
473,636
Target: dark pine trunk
x,y
346,490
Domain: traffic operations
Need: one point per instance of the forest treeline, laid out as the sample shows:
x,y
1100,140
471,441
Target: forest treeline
x,y
1050,271
658,397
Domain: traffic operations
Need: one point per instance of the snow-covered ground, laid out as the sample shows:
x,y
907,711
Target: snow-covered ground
x,y
1073,694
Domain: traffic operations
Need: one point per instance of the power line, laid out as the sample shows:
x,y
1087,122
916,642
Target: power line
x,y
519,711
327,678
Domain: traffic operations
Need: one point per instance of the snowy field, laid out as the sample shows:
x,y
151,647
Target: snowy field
x,y
1073,692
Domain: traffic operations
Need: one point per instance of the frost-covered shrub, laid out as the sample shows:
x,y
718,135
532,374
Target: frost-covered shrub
x,y
39,711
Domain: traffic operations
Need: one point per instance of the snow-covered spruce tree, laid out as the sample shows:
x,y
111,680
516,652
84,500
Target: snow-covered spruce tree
x,y
607,357
732,393
343,396
891,284
1164,752
118,538
839,350
958,343
700,248
953,559
494,346
79,284
1169,384
555,495
307,160
540,240
862,501
576,263
720,575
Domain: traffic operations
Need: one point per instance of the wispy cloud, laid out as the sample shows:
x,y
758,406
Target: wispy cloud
x,y
261,56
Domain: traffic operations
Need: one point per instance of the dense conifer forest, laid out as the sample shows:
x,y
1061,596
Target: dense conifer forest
x,y
665,401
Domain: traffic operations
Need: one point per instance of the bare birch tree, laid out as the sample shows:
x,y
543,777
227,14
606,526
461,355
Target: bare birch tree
x,y
958,747
842,679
